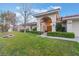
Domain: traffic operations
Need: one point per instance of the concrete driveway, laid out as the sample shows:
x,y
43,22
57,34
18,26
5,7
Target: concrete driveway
x,y
77,39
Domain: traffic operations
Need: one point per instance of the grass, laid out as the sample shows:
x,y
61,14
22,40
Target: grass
x,y
28,44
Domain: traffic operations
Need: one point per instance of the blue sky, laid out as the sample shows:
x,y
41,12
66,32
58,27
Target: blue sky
x,y
66,8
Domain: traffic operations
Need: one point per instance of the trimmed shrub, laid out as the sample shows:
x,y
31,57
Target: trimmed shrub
x,y
61,34
34,32
34,29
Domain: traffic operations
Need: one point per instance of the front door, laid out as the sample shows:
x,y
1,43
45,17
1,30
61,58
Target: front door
x,y
49,27
47,22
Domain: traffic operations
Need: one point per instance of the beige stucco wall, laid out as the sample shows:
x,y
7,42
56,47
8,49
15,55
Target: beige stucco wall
x,y
38,24
69,25
73,26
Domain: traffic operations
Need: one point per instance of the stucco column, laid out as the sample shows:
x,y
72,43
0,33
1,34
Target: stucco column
x,y
53,27
38,25
10,28
69,25
53,18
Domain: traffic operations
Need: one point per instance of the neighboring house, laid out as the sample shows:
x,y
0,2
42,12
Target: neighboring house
x,y
29,26
72,24
46,21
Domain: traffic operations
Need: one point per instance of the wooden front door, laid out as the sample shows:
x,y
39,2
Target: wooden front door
x,y
49,26
48,22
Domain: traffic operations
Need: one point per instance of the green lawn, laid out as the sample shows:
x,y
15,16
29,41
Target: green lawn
x,y
27,44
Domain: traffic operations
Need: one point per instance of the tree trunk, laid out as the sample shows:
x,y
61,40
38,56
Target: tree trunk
x,y
25,21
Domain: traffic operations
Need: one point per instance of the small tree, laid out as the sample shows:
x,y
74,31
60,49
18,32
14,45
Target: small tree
x,y
7,18
26,12
59,27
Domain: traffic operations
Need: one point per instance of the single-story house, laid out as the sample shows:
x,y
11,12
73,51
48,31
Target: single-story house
x,y
29,26
46,21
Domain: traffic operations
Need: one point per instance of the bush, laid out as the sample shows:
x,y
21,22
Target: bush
x,y
61,34
59,27
34,29
34,32
22,30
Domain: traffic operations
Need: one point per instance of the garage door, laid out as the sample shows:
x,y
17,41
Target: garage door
x,y
75,27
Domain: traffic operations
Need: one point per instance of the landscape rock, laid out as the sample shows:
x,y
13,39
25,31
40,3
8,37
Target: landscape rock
x,y
8,36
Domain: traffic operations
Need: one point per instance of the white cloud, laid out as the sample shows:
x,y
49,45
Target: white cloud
x,y
20,18
18,8
57,7
18,14
44,10
39,10
54,7
32,19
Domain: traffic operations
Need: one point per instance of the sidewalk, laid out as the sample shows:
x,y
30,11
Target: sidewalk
x,y
61,38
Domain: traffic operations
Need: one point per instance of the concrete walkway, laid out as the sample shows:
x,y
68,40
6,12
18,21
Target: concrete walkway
x,y
69,39
77,39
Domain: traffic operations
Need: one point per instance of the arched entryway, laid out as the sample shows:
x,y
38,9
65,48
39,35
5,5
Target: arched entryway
x,y
47,24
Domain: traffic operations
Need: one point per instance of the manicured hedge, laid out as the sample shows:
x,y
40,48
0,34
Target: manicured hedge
x,y
61,34
34,32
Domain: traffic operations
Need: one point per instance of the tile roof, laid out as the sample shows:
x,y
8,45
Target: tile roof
x,y
71,16
76,16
